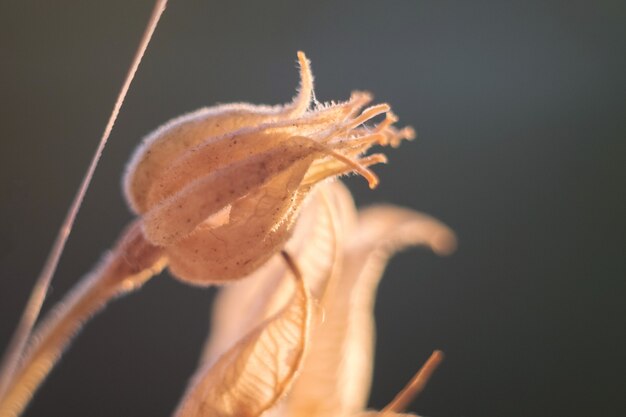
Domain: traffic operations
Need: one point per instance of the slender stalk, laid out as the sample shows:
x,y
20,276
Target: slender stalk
x,y
416,385
38,294
126,268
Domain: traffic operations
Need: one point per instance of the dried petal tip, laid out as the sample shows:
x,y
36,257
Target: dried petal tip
x,y
221,188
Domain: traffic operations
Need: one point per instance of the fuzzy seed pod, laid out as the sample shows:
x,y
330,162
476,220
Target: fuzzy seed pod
x,y
221,188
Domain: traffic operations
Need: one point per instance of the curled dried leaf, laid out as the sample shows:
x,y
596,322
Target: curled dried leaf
x,y
255,373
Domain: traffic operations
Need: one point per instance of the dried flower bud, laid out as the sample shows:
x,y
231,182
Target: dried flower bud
x,y
220,188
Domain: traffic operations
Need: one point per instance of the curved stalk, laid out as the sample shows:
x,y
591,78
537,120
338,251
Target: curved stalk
x,y
37,296
126,268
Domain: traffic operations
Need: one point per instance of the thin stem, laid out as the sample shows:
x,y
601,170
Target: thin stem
x,y
126,268
37,296
415,385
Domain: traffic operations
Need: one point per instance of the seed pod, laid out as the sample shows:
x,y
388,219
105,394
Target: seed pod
x,y
221,188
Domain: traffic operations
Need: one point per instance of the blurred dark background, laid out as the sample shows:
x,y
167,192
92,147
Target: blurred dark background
x,y
521,115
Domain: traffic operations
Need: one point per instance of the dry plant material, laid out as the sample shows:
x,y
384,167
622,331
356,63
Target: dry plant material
x,y
315,247
220,194
220,188
252,375
126,268
335,377
416,385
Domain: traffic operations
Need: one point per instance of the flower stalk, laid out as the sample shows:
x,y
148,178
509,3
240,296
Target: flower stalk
x,y
131,263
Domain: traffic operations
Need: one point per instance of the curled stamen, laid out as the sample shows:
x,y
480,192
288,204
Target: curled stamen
x,y
358,99
328,169
368,114
390,118
371,178
340,111
393,137
377,158
360,142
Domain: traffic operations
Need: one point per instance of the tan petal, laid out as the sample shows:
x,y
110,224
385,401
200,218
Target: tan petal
x,y
322,232
241,306
314,245
389,229
253,375
336,374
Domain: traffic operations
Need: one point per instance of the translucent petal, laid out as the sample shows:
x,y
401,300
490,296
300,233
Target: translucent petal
x,y
253,375
336,374
241,306
390,228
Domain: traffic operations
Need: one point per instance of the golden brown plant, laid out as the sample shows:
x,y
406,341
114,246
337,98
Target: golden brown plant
x,y
248,193
220,188
254,351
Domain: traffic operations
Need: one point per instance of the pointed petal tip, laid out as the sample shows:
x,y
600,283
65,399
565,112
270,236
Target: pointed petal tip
x,y
444,242
408,133
395,228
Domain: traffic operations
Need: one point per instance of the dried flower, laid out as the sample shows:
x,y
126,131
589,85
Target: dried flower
x,y
220,188
220,192
342,256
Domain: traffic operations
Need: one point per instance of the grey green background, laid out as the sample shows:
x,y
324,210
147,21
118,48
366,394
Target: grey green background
x,y
520,109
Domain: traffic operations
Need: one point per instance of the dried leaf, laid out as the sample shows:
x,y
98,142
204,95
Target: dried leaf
x,y
251,376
